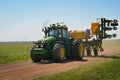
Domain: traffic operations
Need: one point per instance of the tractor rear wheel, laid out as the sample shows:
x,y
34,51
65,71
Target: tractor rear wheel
x,y
78,50
34,57
59,53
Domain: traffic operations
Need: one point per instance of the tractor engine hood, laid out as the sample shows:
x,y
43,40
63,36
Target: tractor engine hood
x,y
42,46
47,40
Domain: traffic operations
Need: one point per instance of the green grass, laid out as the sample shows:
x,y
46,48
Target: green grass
x,y
105,71
108,71
14,51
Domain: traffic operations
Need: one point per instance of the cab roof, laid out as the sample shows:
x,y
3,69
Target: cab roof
x,y
58,26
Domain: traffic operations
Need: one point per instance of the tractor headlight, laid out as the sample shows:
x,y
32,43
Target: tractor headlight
x,y
37,46
41,46
43,42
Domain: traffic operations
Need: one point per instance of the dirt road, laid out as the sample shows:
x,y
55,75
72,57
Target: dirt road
x,y
29,70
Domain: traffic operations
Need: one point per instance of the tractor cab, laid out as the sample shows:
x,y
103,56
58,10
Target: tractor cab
x,y
59,31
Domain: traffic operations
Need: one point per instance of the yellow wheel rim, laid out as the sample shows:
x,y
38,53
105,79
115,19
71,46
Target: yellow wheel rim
x,y
81,49
62,52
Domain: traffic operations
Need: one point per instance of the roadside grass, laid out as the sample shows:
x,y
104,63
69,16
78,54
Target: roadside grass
x,y
108,71
100,70
14,51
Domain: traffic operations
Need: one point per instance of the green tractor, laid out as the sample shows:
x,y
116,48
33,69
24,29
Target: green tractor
x,y
60,44
57,45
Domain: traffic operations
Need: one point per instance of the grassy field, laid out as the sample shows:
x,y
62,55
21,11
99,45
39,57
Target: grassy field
x,y
109,70
19,51
111,43
14,51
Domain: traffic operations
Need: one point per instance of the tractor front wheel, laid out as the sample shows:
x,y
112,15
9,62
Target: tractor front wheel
x,y
59,52
34,57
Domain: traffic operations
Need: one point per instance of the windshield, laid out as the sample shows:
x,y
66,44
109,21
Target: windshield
x,y
55,32
58,33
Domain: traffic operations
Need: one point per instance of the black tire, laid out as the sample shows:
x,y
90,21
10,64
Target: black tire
x,y
95,52
59,52
88,51
78,50
34,57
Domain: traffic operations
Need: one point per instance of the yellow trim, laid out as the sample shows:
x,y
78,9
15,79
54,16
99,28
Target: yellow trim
x,y
62,52
81,49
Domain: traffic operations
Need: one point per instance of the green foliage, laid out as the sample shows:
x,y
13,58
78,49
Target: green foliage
x,y
14,51
105,71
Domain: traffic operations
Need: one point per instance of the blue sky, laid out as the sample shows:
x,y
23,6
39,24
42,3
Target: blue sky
x,y
23,19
